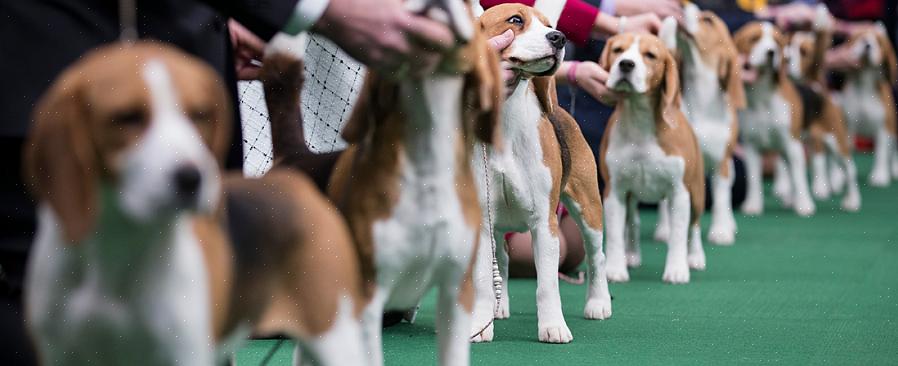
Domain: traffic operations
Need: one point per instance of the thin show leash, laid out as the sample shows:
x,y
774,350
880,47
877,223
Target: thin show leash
x,y
497,277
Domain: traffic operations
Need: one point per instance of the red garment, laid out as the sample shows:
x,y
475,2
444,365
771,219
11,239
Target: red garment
x,y
576,21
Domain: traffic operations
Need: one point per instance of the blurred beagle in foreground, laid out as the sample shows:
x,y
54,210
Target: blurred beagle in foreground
x,y
712,90
544,159
772,120
145,254
823,120
649,153
868,101
406,187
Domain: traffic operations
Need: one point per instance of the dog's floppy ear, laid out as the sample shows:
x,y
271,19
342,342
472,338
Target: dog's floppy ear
x,y
376,100
223,119
670,90
729,74
544,86
60,160
889,61
484,93
605,59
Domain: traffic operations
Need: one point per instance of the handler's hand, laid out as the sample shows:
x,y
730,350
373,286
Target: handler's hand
x,y
384,36
591,78
499,43
247,47
661,8
643,23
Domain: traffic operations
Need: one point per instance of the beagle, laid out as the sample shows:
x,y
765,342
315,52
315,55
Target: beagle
x,y
712,90
544,159
823,120
650,153
772,119
145,254
406,188
868,101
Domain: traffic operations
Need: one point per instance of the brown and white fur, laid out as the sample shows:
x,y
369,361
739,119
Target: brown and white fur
x,y
712,93
649,153
406,187
824,122
773,117
868,102
543,159
145,254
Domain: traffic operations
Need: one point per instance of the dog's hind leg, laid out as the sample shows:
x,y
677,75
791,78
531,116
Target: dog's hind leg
x,y
615,225
676,268
587,215
782,183
879,175
754,199
723,224
552,326
803,204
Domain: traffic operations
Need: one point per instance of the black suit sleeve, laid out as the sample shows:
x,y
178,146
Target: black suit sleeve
x,y
263,17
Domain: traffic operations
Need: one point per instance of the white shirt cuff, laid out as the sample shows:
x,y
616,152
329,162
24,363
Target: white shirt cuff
x,y
305,15
607,7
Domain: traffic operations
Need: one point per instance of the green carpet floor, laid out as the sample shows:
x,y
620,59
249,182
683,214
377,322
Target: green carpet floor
x,y
820,290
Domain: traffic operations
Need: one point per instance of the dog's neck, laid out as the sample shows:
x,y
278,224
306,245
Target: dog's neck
x,y
521,112
432,128
121,249
702,91
637,116
758,93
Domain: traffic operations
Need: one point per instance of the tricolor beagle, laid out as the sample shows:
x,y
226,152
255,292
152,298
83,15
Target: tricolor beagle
x,y
544,159
712,92
145,254
649,153
406,187
823,120
772,120
868,101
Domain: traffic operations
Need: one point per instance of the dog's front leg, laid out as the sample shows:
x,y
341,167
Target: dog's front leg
x,y
503,310
782,183
484,293
598,299
615,224
852,200
879,175
453,323
662,229
754,199
552,327
676,268
804,205
372,326
723,224
633,251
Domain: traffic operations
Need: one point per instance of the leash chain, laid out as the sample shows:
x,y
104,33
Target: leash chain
x,y
497,277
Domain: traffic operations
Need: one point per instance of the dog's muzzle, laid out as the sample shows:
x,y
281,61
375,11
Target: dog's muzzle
x,y
187,181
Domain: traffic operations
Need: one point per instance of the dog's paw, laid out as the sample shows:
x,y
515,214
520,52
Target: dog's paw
x,y
486,335
851,202
696,261
555,333
821,189
836,180
722,234
752,207
634,259
502,311
597,309
879,178
805,207
617,273
676,273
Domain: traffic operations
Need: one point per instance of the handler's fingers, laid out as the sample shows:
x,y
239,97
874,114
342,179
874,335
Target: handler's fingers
x,y
502,41
428,33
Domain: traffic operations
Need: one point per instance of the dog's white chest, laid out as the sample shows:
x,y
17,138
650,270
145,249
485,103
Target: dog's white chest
x,y
863,107
638,165
766,122
426,235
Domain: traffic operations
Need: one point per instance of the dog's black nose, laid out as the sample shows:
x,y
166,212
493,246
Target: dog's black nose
x,y
867,47
557,39
626,66
187,180
771,54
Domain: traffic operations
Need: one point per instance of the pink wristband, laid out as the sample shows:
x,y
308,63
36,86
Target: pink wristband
x,y
572,73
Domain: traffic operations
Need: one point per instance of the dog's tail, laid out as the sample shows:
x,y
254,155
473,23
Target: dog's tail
x,y
282,79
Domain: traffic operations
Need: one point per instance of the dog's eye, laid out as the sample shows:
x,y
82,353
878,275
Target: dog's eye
x,y
617,50
131,117
199,117
650,55
516,20
708,20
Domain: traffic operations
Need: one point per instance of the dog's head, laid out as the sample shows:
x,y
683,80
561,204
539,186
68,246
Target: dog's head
x,y
762,44
641,64
537,49
799,55
140,126
871,49
711,38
